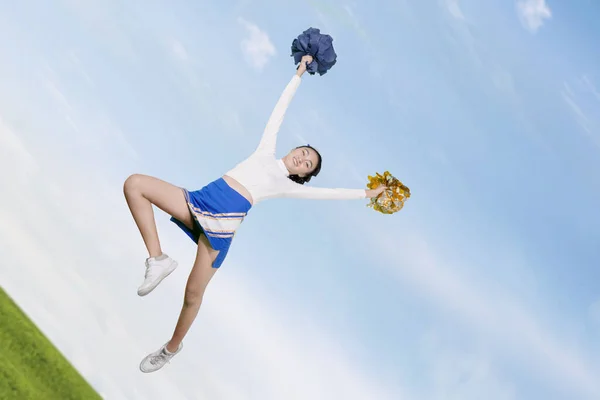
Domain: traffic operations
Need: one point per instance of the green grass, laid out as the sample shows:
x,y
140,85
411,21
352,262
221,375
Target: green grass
x,y
30,366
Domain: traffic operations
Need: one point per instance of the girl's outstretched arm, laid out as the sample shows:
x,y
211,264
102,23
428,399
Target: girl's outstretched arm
x,y
317,193
269,138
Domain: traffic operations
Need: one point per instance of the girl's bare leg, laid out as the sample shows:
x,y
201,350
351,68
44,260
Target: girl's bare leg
x,y
201,274
141,192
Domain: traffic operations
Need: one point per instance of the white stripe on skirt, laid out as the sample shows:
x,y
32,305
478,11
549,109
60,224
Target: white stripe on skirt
x,y
218,225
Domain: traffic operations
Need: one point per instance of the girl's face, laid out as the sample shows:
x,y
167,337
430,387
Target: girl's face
x,y
301,161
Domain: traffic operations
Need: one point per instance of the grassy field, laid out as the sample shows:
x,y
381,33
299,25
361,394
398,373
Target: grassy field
x,y
30,366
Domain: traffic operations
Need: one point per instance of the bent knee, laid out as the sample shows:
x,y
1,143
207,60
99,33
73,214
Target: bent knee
x,y
133,183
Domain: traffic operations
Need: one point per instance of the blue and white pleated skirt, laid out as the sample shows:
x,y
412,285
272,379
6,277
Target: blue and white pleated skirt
x,y
217,210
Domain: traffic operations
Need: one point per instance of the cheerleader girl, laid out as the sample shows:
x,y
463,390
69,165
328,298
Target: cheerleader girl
x,y
211,215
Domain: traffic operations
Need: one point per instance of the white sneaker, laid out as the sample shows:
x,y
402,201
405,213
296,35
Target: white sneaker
x,y
155,361
157,269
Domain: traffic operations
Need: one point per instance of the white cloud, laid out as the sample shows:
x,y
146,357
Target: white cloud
x,y
179,50
580,116
454,9
589,86
532,13
586,117
257,47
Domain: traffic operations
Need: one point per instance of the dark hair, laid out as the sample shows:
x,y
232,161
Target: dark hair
x,y
303,179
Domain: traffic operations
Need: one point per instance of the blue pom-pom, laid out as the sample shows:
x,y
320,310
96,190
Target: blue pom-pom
x,y
320,47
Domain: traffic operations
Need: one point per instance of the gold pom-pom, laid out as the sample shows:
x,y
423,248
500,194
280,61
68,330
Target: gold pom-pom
x,y
392,199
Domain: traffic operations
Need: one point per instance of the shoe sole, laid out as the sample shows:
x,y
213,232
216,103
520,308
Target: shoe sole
x,y
149,371
150,288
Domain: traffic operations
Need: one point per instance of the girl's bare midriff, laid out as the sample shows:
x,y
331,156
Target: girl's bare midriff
x,y
238,187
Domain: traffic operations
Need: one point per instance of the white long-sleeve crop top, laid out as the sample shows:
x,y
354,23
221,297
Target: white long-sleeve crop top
x,y
265,176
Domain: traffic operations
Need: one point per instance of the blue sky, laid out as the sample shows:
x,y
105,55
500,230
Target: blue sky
x,y
483,286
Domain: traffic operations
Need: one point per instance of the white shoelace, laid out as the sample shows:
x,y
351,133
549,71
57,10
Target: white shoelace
x,y
159,358
149,271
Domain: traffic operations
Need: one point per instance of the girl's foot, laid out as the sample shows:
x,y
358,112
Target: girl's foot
x,y
155,361
157,269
